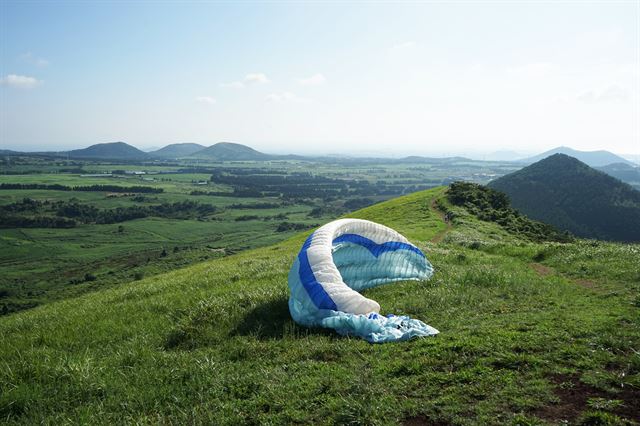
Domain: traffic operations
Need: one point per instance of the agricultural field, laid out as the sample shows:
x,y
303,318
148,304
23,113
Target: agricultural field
x,y
69,226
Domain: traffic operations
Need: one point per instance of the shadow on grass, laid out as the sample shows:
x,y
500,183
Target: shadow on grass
x,y
271,320
266,321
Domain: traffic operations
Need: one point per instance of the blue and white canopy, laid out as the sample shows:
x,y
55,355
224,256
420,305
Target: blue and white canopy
x,y
344,257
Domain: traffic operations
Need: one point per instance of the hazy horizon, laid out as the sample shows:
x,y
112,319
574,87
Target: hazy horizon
x,y
393,79
497,155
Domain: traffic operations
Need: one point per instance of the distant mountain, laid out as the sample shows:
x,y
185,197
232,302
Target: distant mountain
x,y
228,151
9,152
564,192
109,151
634,158
590,158
624,172
177,150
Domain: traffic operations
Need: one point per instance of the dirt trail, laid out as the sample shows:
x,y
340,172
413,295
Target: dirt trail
x,y
545,271
440,235
542,270
573,399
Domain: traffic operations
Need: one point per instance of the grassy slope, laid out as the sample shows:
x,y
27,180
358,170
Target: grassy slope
x,y
214,343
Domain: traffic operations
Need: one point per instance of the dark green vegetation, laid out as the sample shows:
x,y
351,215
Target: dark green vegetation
x,y
531,333
92,188
493,206
30,213
591,158
625,172
572,196
66,220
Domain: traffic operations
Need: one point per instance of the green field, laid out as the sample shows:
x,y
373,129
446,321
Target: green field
x,y
531,333
42,264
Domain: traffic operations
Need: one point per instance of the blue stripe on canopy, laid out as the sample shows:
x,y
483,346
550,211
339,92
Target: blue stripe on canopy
x,y
316,292
375,248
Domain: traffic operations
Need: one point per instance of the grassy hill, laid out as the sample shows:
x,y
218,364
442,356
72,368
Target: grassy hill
x,y
177,150
591,158
531,332
109,151
228,151
570,195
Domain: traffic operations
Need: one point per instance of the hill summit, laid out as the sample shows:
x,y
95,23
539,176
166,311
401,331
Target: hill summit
x,y
110,151
565,192
229,151
177,150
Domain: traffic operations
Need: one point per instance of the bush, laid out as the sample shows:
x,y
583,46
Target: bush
x,y
493,206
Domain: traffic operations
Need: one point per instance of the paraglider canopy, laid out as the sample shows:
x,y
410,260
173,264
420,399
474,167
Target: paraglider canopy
x,y
344,257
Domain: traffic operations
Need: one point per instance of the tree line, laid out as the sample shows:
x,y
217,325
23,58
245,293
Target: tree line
x,y
89,188
30,213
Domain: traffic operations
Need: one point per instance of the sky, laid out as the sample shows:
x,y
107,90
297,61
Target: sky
x,y
430,78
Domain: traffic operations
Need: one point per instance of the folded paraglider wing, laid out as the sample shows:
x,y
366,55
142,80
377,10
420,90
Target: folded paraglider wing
x,y
344,257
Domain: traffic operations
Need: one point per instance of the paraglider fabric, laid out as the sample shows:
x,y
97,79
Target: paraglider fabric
x,y
344,257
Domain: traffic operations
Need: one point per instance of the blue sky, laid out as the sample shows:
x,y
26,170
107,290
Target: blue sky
x,y
411,78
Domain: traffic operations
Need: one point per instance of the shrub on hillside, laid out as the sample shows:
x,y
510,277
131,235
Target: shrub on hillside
x,y
490,205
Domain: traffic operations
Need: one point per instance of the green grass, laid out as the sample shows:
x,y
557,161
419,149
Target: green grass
x,y
214,344
43,264
40,265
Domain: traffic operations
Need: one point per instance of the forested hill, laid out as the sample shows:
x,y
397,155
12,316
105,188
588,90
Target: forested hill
x,y
177,150
109,151
625,172
564,192
228,151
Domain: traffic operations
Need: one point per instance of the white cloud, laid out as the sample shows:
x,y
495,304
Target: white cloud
x,y
34,60
253,78
404,45
206,100
258,77
314,80
284,97
611,93
20,81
